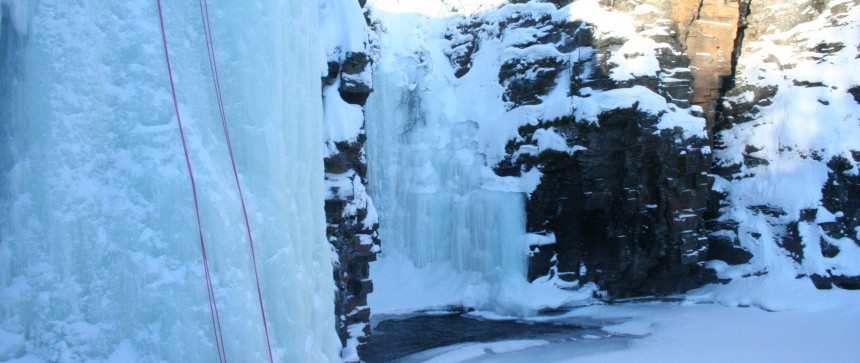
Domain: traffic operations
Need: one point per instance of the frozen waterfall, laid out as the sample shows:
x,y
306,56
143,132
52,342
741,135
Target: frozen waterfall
x,y
99,257
440,220
427,176
453,232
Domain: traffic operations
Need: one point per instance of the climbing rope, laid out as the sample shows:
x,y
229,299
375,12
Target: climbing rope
x,y
204,13
213,305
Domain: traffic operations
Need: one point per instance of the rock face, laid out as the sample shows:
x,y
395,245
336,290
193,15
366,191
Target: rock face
x,y
352,232
625,211
631,206
622,200
841,193
708,29
659,136
780,123
350,216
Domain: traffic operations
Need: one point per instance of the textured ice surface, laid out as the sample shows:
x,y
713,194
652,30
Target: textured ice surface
x,y
99,256
426,177
681,332
453,231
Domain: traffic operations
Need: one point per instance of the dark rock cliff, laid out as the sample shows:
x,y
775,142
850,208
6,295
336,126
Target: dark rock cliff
x,y
350,216
626,209
633,207
637,207
351,221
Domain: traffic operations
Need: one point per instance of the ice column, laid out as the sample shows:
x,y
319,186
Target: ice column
x,y
98,246
429,178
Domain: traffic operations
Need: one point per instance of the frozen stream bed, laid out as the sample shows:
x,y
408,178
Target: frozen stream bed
x,y
627,332
435,336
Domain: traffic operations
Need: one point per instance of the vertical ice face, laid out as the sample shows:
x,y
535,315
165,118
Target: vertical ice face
x,y
99,257
428,178
452,230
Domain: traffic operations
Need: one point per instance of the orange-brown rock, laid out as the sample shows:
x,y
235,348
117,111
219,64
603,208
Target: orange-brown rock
x,y
707,29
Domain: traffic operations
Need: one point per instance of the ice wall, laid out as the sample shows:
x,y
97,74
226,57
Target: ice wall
x,y
426,175
433,131
441,212
99,258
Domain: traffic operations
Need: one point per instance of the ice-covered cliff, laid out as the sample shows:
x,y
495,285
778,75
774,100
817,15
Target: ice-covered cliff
x,y
787,149
605,117
554,141
504,155
100,257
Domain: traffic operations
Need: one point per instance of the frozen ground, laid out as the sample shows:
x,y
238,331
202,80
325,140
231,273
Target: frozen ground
x,y
768,318
675,331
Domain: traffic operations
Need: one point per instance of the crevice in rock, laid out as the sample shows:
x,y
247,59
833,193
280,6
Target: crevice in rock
x,y
693,19
743,12
728,82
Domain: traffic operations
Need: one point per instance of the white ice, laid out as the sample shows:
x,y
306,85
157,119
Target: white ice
x,y
99,257
808,328
453,232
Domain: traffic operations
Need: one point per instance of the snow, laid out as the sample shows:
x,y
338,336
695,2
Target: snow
x,y
99,253
637,56
596,102
810,119
684,331
343,121
400,288
350,351
432,139
534,239
703,333
342,29
549,139
530,180
467,351
436,8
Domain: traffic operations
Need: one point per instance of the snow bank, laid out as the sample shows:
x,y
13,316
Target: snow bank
x,y
664,331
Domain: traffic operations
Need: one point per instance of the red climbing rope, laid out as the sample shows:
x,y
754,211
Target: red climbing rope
x,y
204,13
213,306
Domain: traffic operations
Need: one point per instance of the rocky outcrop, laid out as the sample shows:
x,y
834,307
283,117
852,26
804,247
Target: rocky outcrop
x,y
631,206
625,211
774,88
526,80
841,193
637,202
351,230
350,216
354,73
622,201
708,29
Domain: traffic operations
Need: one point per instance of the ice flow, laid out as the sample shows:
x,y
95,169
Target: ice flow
x,y
99,257
429,183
